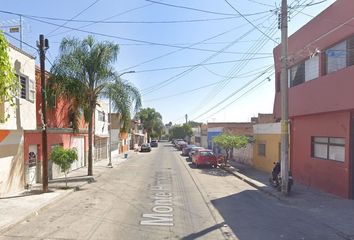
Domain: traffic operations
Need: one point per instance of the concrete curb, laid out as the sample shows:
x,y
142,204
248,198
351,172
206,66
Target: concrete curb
x,y
258,185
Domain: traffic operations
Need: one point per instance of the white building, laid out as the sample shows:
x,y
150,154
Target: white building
x,y
15,171
101,137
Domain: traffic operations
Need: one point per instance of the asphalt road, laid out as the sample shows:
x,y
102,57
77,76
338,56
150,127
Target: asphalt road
x,y
160,195
150,196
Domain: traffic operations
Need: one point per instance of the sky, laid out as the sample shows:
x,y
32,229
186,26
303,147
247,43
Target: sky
x,y
209,61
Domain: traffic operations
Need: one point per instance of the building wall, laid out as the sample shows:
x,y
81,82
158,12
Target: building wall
x,y
12,168
24,115
57,116
213,132
318,95
21,117
101,137
268,134
327,175
237,128
244,155
66,140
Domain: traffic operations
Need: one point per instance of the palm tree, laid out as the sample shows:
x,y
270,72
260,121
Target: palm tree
x,y
123,96
150,119
82,73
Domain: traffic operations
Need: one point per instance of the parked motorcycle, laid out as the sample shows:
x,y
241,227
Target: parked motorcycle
x,y
275,179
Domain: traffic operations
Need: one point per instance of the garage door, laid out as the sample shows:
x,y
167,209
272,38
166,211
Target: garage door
x,y
78,143
100,149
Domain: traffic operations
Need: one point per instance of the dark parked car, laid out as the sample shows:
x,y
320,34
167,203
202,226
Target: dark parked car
x,y
187,149
145,147
192,151
181,145
154,143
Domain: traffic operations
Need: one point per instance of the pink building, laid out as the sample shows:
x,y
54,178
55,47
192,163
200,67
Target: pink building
x,y
60,133
321,100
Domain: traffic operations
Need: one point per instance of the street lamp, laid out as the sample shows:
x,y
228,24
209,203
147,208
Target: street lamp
x,y
110,125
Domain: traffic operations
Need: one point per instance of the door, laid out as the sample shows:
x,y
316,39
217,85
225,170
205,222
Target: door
x,y
78,143
32,165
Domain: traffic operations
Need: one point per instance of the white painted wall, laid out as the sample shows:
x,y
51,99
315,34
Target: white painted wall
x,y
24,66
101,128
267,128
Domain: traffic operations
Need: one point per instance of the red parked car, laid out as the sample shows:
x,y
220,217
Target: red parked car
x,y
204,157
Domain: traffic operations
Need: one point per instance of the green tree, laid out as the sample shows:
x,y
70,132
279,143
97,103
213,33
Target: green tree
x,y
181,131
194,124
228,142
63,158
151,120
83,73
9,85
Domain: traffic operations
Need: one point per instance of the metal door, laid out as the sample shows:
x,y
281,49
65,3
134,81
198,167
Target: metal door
x,y
32,165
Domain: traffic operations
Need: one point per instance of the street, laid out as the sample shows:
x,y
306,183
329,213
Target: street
x,y
160,195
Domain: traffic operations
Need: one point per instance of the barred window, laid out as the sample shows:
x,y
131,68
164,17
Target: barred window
x,y
261,149
330,148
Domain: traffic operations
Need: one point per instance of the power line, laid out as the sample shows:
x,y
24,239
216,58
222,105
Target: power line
x,y
248,91
116,15
178,76
189,8
182,48
250,22
234,71
101,34
184,92
194,65
139,22
233,93
67,21
28,45
224,76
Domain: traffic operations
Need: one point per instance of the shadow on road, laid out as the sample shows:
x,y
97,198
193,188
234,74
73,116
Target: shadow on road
x,y
210,170
203,232
252,215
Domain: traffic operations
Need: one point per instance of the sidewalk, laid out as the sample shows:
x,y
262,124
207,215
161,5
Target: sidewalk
x,y
336,212
15,209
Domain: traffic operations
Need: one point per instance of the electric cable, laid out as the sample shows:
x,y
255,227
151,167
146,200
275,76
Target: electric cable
x,y
250,22
189,8
188,91
248,91
67,21
113,16
194,65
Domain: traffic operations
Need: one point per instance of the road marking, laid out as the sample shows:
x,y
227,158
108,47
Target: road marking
x,y
162,202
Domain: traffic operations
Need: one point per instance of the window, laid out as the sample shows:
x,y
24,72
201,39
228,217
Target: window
x,y
304,71
336,57
27,88
297,74
24,87
330,148
340,55
312,68
261,149
101,116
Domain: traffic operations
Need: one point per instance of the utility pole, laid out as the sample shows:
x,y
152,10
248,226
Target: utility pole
x,y
186,118
43,45
284,99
